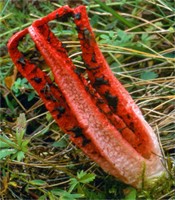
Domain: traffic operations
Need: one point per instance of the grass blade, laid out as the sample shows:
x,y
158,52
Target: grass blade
x,y
115,14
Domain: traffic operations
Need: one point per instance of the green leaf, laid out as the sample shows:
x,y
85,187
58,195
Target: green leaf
x,y
103,36
145,37
131,195
57,192
169,55
124,37
43,197
20,83
4,145
38,182
94,195
20,155
147,75
64,195
20,128
48,116
51,196
61,143
31,96
5,142
73,184
84,177
9,104
6,152
24,145
111,34
94,20
115,67
24,80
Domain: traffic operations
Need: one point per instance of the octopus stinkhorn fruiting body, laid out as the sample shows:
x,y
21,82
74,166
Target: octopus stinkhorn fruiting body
x,y
99,114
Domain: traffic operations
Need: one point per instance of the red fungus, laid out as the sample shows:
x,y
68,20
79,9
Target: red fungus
x,y
100,117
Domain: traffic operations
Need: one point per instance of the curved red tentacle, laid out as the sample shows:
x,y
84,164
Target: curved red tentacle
x,y
111,90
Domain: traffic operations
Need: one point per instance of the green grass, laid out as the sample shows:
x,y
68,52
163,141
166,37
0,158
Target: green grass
x,y
37,159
